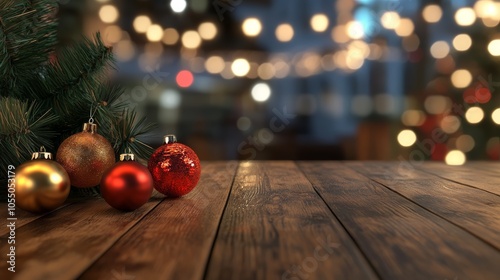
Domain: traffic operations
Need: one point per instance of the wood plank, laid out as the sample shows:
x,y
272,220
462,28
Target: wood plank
x,y
275,226
471,175
175,239
62,244
472,209
401,239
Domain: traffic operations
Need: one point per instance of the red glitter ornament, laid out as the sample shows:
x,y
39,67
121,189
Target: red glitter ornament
x,y
127,185
175,168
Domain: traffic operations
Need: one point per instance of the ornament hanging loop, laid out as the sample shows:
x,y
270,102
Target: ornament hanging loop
x,y
42,154
92,113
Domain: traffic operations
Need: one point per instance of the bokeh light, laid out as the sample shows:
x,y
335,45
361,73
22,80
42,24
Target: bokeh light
x,y
240,67
251,27
191,39
494,47
390,20
465,16
178,6
432,13
407,138
474,115
108,13
141,23
170,36
207,30
495,116
184,79
461,78
214,64
319,22
462,42
455,157
440,49
261,92
284,32
154,33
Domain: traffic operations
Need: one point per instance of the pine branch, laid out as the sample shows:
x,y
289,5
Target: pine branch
x,y
23,129
126,134
27,36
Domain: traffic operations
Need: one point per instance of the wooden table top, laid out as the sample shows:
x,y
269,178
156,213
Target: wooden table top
x,y
279,220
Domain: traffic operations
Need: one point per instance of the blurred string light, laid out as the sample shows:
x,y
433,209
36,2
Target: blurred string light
x,y
413,118
465,16
495,116
141,23
261,92
243,123
450,124
266,71
355,30
405,27
184,79
465,143
455,157
319,22
170,36
462,42
207,30
437,104
440,49
407,138
154,33
494,47
284,32
170,99
390,20
240,67
191,39
474,115
487,9
214,64
432,13
178,6
251,27
108,13
461,78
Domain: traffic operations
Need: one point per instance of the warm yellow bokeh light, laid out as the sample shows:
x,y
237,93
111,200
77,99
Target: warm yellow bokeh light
x,y
494,47
437,104
405,27
461,78
191,39
432,13
413,118
112,34
440,49
240,67
407,138
355,30
215,64
207,30
450,124
465,16
170,36
339,34
465,143
142,23
495,116
487,9
319,22
251,27
284,32
474,115
266,71
108,13
154,33
462,42
455,157
390,20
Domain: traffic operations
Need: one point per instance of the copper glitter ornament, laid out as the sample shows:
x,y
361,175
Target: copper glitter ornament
x,y
42,184
86,156
175,168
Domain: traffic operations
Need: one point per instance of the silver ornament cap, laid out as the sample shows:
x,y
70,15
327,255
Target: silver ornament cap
x,y
169,139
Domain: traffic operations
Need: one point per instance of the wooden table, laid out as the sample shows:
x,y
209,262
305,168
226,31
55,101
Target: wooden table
x,y
279,220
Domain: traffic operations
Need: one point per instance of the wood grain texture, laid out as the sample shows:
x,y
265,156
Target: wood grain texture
x,y
174,241
62,244
401,239
275,226
477,176
472,209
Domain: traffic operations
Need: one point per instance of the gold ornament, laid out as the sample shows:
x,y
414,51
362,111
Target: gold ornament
x,y
86,155
41,184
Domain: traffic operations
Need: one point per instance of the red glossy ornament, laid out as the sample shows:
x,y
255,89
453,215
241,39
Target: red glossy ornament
x,y
175,168
127,185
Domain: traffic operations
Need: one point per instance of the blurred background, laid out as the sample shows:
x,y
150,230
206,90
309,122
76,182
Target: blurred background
x,y
316,79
